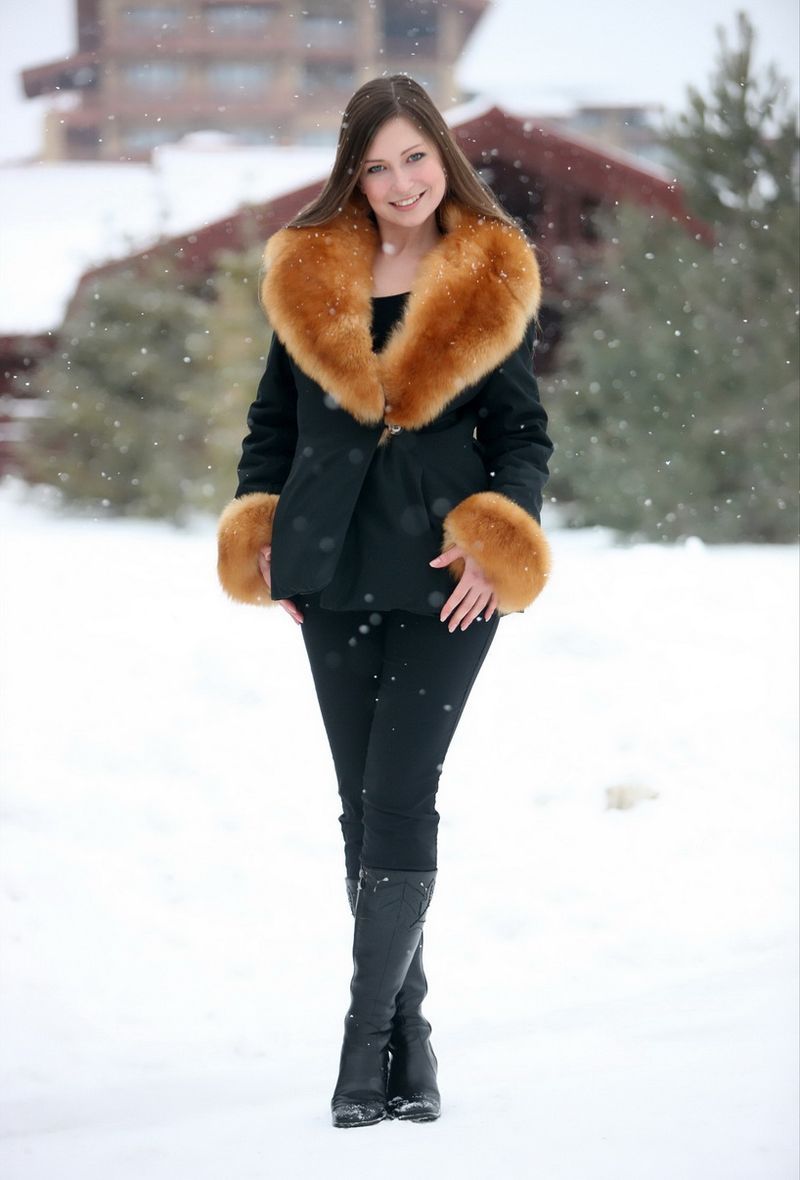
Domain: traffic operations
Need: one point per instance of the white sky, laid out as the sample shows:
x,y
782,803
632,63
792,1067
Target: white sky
x,y
524,51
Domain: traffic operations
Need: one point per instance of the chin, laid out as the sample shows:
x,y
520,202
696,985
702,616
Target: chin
x,y
418,215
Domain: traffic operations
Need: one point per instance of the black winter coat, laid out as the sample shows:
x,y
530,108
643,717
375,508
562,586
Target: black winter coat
x,y
363,462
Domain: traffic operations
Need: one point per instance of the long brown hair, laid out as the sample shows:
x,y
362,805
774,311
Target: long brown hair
x,y
370,107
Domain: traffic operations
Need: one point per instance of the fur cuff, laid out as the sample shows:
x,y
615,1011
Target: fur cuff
x,y
244,526
506,542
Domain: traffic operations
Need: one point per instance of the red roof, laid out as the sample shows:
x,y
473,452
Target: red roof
x,y
561,163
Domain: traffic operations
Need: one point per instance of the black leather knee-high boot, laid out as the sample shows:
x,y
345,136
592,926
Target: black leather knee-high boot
x,y
411,1091
390,911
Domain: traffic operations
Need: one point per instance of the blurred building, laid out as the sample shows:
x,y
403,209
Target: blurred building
x,y
631,128
268,71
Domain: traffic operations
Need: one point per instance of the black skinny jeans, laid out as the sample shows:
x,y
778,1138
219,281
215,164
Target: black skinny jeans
x,y
391,687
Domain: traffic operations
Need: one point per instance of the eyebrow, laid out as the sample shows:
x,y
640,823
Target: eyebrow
x,y
403,153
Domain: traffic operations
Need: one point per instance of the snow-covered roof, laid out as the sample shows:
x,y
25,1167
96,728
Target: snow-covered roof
x,y
61,219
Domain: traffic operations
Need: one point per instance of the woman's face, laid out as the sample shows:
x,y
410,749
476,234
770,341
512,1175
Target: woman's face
x,y
401,163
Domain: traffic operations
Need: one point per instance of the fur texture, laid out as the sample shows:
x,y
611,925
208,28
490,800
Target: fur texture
x,y
505,541
473,296
244,526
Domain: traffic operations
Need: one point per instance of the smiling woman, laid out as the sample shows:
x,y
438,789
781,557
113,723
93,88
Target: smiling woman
x,y
404,186
390,490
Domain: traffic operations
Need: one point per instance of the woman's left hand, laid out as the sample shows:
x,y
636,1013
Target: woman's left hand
x,y
473,593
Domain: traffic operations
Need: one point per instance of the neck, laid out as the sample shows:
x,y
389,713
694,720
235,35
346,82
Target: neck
x,y
399,242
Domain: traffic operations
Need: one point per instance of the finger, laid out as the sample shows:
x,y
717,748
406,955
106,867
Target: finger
x,y
449,555
491,607
453,601
466,604
463,609
291,609
476,610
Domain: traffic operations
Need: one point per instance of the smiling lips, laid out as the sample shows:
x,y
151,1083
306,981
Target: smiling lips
x,y
407,202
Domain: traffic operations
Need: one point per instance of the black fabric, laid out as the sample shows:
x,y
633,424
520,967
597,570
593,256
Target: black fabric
x,y
390,539
391,688
386,311
358,522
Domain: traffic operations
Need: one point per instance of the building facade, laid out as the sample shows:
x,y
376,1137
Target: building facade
x,y
147,72
632,128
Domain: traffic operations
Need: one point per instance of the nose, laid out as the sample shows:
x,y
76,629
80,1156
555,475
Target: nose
x,y
409,191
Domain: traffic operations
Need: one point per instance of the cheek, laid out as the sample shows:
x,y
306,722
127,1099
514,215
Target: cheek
x,y
433,175
376,185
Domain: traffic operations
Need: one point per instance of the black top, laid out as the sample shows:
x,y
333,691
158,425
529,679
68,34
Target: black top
x,y
386,311
378,541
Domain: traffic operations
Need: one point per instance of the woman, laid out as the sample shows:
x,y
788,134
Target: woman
x,y
389,498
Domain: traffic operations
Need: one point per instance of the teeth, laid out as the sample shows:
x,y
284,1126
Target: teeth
x,y
408,201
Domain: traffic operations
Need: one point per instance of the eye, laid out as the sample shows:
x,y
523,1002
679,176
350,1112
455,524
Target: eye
x,y
413,154
372,168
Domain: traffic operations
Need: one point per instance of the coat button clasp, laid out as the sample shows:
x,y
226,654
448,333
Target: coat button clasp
x,y
394,429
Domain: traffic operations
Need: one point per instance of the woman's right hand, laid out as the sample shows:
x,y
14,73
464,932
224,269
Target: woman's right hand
x,y
264,561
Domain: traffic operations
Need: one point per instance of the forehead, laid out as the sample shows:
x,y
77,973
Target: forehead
x,y
394,137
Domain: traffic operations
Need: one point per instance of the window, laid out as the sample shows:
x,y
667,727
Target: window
x,y
154,18
240,77
154,77
327,30
589,118
327,75
342,9
83,138
410,27
84,77
143,137
635,117
238,19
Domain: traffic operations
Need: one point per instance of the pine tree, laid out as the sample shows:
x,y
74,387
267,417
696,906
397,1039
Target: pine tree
x,y
144,401
679,382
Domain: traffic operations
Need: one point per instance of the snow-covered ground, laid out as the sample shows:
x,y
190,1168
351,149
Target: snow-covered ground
x,y
613,993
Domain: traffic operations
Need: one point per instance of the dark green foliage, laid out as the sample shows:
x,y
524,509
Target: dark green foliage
x,y
677,400
146,397
736,150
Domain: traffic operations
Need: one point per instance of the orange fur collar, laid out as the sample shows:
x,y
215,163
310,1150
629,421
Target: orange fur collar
x,y
472,298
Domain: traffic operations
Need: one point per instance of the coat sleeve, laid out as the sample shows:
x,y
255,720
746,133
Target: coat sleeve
x,y
267,453
500,528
